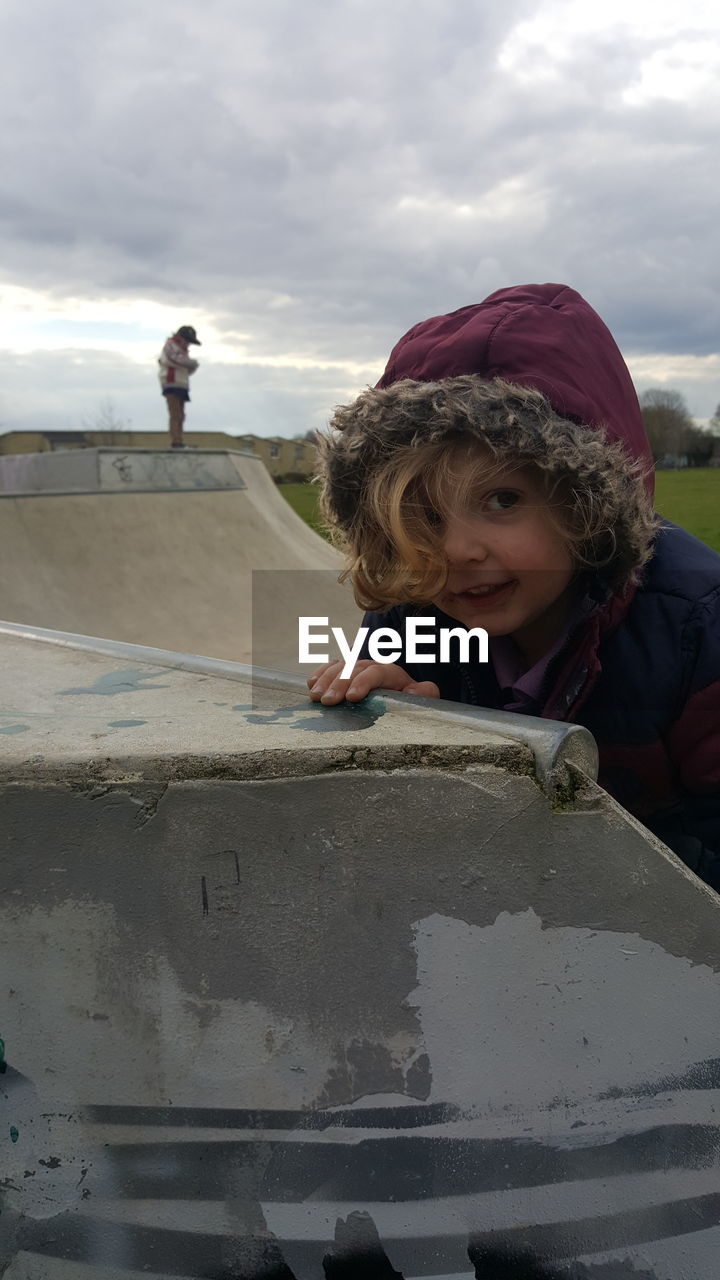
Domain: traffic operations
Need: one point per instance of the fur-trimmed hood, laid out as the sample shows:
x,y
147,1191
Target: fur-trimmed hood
x,y
544,336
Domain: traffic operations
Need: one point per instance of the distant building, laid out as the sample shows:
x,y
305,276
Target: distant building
x,y
283,458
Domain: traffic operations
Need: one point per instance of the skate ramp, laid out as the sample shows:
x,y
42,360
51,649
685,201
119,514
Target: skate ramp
x,y
294,991
159,548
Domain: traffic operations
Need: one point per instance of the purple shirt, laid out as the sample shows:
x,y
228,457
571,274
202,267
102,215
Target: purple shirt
x,y
521,689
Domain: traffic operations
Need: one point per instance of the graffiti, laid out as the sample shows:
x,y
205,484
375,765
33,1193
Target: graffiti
x,y
123,468
150,471
372,1193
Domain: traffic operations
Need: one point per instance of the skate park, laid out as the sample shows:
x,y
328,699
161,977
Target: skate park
x,y
158,548
380,988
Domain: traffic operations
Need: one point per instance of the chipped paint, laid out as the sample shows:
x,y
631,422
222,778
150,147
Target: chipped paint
x,y
347,717
129,680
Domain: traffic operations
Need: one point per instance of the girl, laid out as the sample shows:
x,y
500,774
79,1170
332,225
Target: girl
x,y
499,476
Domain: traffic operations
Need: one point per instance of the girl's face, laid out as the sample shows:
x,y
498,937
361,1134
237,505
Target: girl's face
x,y
509,569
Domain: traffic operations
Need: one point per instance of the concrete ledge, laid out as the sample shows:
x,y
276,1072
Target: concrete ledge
x,y
67,677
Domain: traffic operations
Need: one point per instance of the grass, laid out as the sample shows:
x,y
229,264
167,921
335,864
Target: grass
x,y
303,499
690,498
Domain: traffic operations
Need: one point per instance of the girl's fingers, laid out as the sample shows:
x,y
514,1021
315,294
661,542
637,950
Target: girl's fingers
x,y
327,685
328,678
320,671
424,689
324,681
376,676
387,677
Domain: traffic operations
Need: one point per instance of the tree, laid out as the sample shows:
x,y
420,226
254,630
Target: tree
x,y
106,419
700,447
668,423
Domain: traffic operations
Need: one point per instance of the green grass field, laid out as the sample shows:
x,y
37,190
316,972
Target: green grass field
x,y
303,499
690,498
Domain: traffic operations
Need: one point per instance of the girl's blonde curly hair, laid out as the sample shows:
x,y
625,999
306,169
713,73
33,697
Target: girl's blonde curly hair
x,y
398,460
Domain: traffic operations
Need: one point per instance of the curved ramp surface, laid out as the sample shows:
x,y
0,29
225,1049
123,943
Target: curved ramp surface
x,y
296,991
157,547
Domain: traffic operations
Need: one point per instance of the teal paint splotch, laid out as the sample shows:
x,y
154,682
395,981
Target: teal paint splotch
x,y
312,717
128,681
14,1135
125,724
242,706
15,728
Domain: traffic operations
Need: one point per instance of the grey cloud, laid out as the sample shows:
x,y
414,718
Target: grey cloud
x,y
223,156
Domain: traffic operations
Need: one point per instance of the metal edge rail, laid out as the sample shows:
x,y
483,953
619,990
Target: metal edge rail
x,y
116,493
193,449
554,745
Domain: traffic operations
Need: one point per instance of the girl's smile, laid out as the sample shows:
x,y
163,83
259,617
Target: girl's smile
x,y
484,595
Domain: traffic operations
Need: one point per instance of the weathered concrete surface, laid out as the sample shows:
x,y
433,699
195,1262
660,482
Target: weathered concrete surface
x,y
251,1021
171,566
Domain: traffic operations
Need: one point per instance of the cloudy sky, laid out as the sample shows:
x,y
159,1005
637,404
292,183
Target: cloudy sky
x,y
304,181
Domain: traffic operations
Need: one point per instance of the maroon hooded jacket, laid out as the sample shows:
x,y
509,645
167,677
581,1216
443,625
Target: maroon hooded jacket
x,y
642,672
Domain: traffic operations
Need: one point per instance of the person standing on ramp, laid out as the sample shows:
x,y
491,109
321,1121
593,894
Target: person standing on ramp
x,y
176,366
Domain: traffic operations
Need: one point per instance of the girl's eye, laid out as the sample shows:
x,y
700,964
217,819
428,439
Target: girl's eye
x,y
502,500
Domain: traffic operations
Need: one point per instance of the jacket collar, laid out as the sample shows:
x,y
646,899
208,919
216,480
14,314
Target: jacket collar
x,y
580,667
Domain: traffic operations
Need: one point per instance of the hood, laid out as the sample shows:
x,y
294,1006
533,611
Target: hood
x,y
544,336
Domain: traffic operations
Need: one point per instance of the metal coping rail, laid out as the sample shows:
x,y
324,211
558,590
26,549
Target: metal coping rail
x,y
554,744
119,493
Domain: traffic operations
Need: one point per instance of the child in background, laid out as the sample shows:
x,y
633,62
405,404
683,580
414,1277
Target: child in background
x,y
499,476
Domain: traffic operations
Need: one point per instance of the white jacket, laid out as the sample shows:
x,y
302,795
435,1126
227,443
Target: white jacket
x,y
175,363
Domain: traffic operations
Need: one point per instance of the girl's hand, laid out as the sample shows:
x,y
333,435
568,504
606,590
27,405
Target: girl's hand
x,y
326,686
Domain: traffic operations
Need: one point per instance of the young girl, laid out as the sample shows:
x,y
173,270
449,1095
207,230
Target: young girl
x,y
499,477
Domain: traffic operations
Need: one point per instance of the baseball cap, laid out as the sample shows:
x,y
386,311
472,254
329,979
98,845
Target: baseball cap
x,y
187,332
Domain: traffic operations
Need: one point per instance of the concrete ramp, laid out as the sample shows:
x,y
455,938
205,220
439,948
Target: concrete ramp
x,y
158,547
292,991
